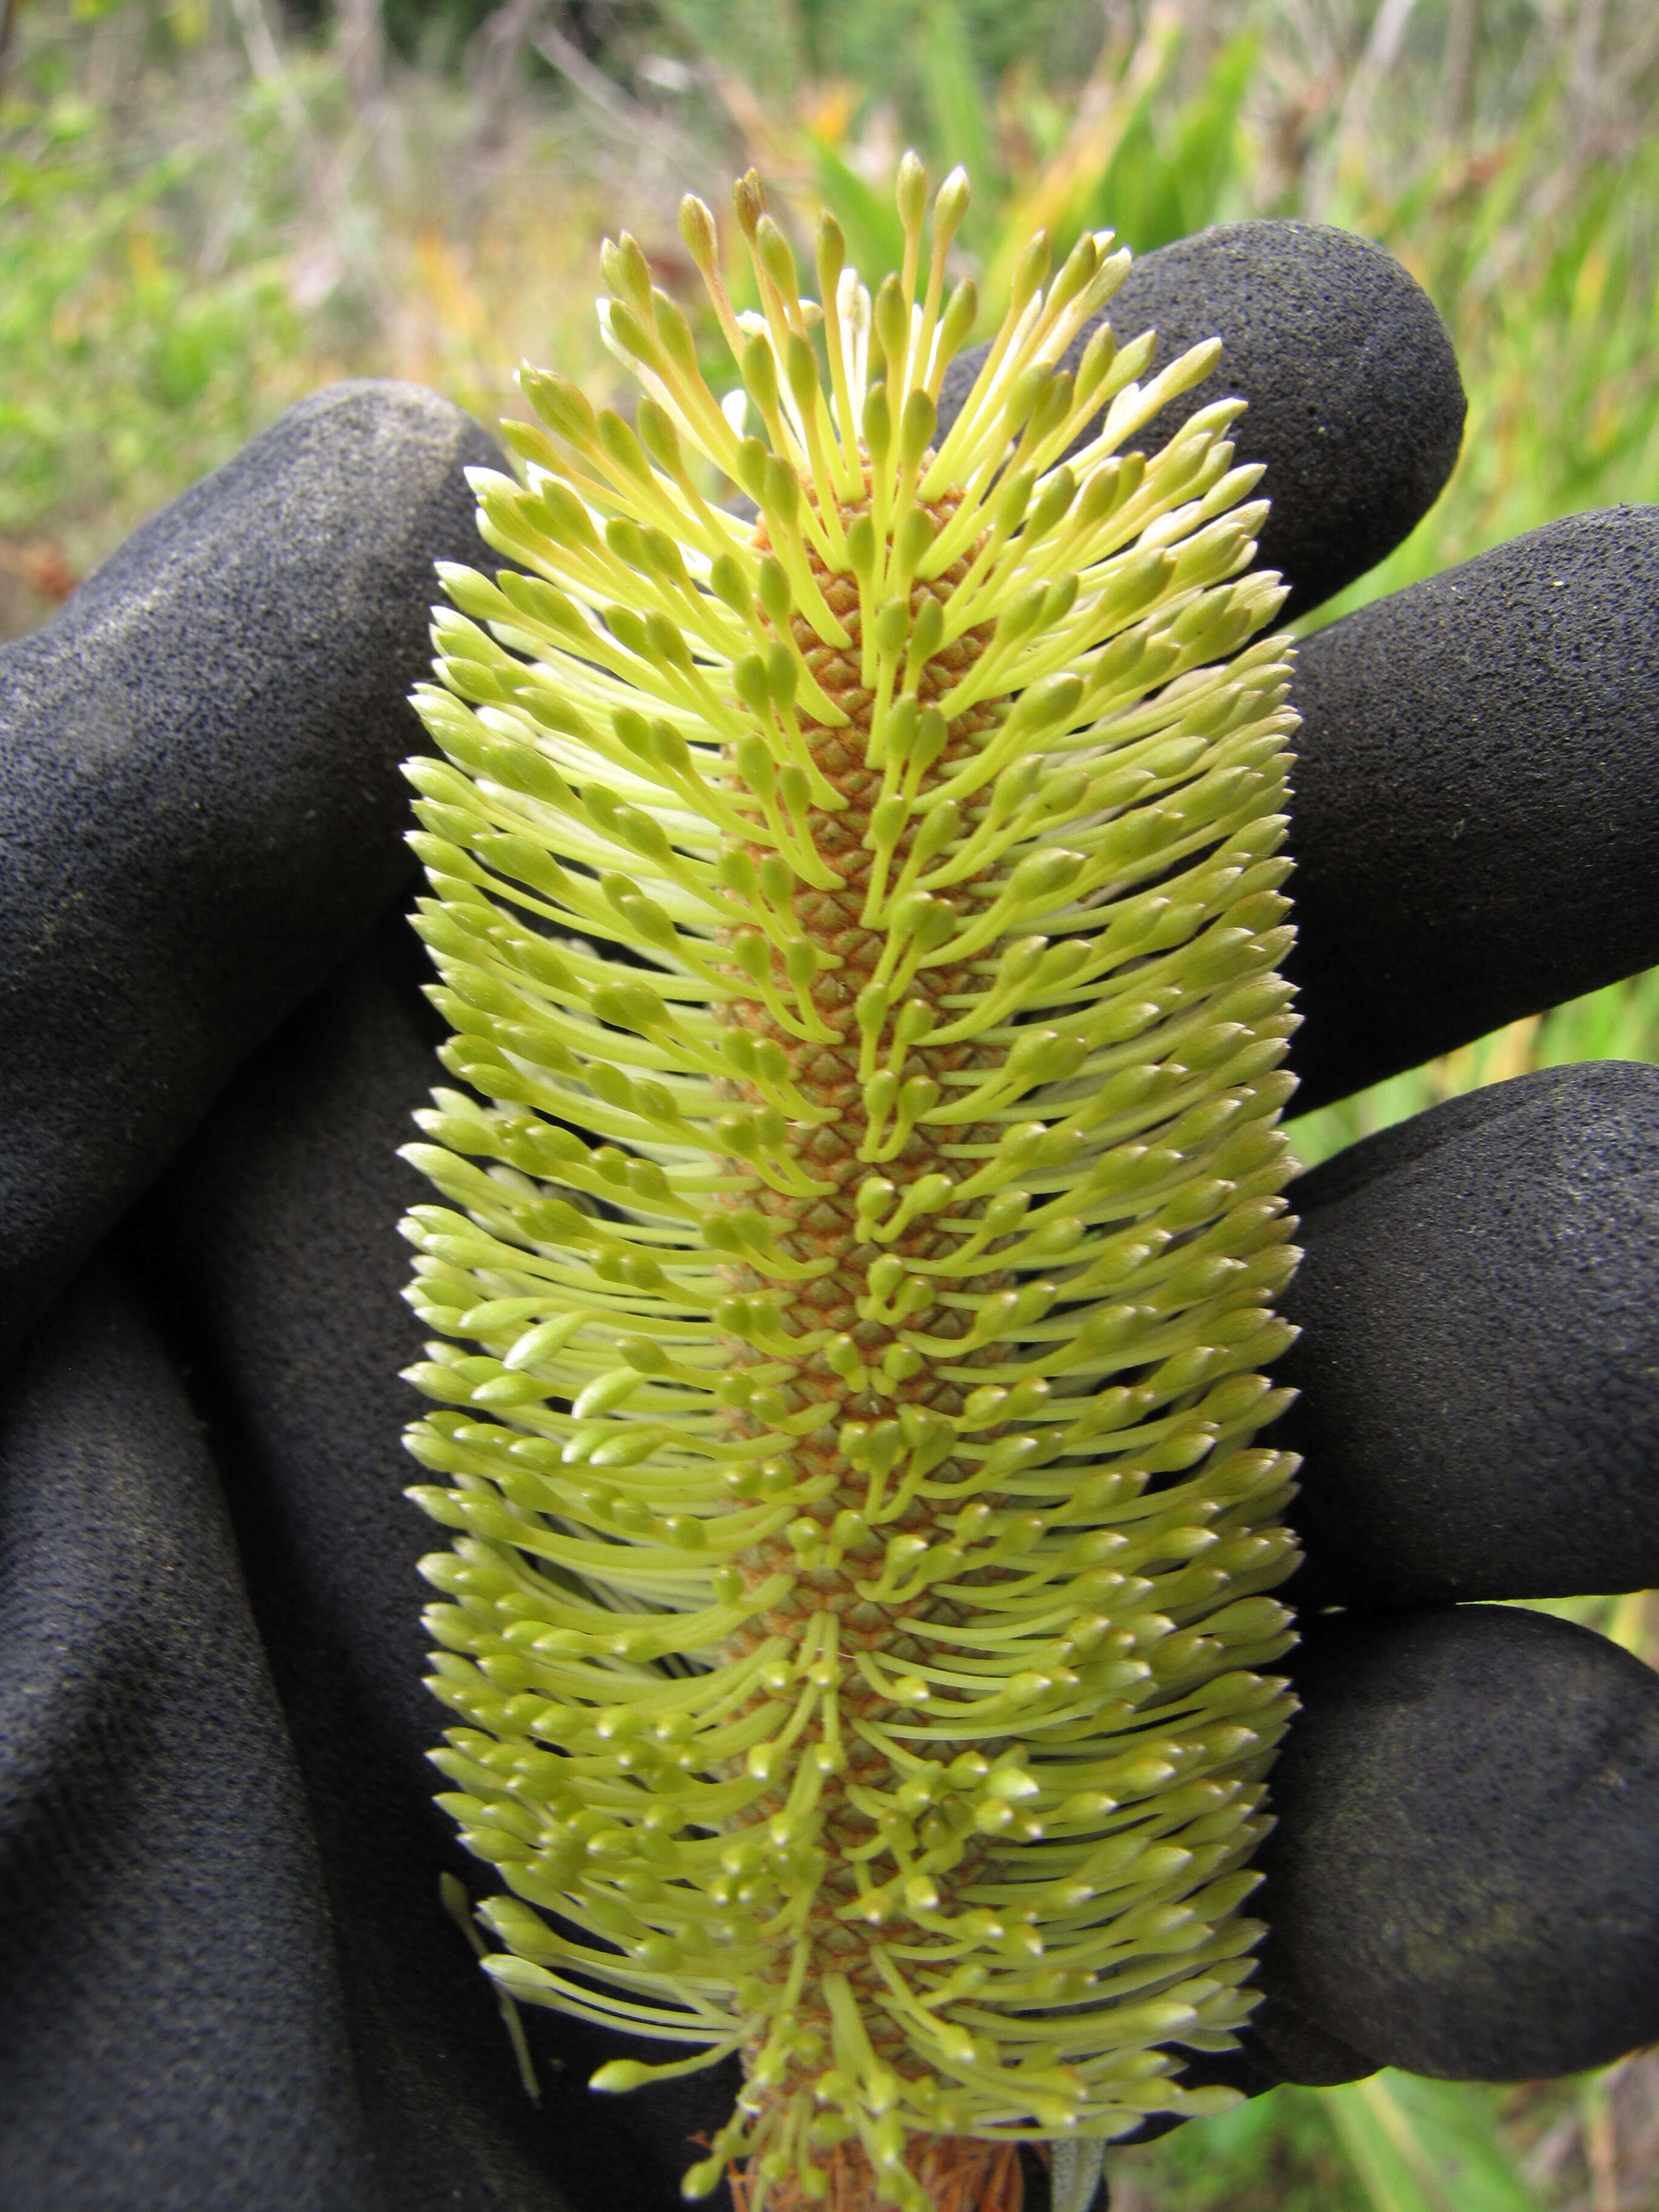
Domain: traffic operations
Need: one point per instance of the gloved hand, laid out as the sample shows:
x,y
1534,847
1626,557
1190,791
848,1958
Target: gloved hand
x,y
229,1980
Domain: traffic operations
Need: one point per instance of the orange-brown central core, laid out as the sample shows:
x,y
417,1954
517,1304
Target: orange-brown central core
x,y
959,2175
811,1228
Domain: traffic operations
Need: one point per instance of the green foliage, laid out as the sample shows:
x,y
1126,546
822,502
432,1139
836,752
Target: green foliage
x,y
1275,2153
130,362
1620,1022
433,32
953,88
1157,170
1556,325
1176,173
1394,2143
886,50
1423,2146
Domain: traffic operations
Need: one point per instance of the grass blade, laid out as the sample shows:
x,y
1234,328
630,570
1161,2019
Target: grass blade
x,y
1421,2146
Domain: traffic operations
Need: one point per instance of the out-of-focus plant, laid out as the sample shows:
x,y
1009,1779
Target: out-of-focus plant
x,y
1556,319
131,358
201,220
1130,153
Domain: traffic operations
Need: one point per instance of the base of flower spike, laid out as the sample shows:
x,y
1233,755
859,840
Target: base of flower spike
x,y
957,2173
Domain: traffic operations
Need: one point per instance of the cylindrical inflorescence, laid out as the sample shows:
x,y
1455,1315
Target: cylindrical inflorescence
x,y
858,928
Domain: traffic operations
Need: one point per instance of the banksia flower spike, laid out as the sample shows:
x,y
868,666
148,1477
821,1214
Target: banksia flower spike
x,y
853,1275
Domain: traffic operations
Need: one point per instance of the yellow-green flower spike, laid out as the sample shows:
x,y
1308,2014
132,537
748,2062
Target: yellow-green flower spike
x,y
857,1231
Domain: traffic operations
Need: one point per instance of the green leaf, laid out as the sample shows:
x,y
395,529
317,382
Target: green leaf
x,y
1420,2145
957,105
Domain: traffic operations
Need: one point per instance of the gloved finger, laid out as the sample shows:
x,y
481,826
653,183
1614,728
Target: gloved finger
x,y
1464,1880
202,808
1479,1338
1476,821
1463,1876
271,1246
173,2032
1355,403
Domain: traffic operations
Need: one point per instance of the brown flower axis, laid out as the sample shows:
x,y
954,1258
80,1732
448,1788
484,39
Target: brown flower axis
x,y
966,2175
959,2173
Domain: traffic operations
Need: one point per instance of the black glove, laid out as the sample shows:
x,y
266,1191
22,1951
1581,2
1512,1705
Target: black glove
x,y
229,1978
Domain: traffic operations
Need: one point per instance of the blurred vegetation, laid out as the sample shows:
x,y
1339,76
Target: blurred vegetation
x,y
209,208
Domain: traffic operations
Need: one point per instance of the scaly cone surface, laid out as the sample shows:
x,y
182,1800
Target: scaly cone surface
x,y
860,930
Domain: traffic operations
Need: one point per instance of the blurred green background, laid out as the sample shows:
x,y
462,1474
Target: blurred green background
x,y
209,208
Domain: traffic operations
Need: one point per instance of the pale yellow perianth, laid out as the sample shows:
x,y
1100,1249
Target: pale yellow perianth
x,y
859,929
